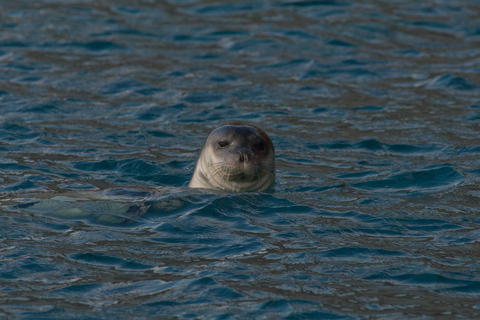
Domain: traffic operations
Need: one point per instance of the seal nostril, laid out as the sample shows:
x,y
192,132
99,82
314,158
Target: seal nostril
x,y
244,154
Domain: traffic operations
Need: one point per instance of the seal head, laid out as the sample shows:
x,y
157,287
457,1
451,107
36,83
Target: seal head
x,y
236,158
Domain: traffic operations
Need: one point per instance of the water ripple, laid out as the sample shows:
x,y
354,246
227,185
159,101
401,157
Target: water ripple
x,y
373,110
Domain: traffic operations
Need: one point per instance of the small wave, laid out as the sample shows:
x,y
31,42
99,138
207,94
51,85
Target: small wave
x,y
449,81
425,180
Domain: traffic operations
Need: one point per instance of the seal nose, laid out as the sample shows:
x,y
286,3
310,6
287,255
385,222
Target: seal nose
x,y
244,154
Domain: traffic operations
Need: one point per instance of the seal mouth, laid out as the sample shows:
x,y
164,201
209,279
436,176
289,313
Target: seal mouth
x,y
242,177
242,173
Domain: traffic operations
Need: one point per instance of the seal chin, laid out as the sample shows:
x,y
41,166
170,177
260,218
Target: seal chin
x,y
236,158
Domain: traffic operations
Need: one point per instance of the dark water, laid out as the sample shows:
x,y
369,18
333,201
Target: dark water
x,y
374,109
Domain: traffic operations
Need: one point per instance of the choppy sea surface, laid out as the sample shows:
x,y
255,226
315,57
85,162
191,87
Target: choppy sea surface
x,y
374,110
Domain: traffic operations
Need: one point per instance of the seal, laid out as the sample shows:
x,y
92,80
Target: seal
x,y
236,158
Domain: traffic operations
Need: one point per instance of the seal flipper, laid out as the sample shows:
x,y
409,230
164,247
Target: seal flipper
x,y
135,211
111,212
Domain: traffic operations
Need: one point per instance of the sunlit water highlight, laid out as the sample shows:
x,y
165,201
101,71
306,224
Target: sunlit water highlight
x,y
374,110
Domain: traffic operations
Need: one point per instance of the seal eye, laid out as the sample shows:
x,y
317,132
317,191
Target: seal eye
x,y
260,146
223,144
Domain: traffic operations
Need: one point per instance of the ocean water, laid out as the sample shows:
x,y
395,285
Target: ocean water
x,y
374,110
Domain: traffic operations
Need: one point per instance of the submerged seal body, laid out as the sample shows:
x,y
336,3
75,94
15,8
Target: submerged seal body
x,y
236,158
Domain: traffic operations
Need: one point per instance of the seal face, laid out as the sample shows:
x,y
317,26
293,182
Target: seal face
x,y
236,158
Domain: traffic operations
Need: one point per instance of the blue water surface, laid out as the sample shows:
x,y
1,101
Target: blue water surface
x,y
374,110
